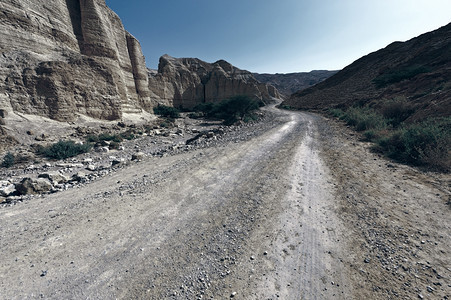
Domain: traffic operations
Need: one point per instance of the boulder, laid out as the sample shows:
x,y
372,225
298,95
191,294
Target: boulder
x,y
33,186
79,177
138,156
6,188
55,178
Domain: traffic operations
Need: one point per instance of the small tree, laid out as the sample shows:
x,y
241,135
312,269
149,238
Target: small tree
x,y
166,111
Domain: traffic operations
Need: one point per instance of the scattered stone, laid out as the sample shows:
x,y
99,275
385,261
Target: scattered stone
x,y
30,132
2,199
103,149
79,177
210,134
30,186
91,168
233,294
87,160
117,161
430,289
420,296
41,137
138,156
44,273
6,188
367,260
55,178
252,257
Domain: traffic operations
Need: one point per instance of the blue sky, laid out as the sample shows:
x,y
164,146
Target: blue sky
x,y
276,36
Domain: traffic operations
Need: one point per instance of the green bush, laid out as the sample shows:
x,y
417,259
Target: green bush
x,y
336,112
397,110
8,160
64,149
231,110
128,135
399,74
364,118
371,135
425,143
166,111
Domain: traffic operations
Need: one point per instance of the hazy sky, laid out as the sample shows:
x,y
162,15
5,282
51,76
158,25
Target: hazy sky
x,y
276,36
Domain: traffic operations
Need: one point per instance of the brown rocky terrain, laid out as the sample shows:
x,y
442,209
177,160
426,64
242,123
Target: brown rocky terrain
x,y
63,58
419,70
290,83
186,82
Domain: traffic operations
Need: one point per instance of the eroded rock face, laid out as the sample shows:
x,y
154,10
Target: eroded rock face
x,y
64,57
186,82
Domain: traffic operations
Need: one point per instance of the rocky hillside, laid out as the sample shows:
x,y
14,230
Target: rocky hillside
x,y
186,82
290,83
419,70
66,57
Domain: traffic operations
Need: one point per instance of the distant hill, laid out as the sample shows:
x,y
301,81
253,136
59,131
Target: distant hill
x,y
419,70
290,83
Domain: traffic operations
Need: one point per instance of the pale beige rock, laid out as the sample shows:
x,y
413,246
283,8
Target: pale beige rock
x,y
187,82
59,58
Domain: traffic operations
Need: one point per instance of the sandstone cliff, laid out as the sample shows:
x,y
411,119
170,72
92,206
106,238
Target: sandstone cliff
x,y
186,82
63,57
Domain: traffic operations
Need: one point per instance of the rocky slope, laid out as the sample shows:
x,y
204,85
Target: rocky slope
x,y
419,69
290,83
186,82
62,58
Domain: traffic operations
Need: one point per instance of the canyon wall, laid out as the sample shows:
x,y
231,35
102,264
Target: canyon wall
x,y
66,57
186,82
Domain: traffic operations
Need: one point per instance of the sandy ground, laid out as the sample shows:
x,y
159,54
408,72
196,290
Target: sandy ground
x,y
301,210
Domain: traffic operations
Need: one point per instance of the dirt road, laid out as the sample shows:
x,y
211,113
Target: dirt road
x,y
300,211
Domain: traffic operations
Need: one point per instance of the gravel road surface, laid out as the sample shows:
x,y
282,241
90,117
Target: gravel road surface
x,y
299,210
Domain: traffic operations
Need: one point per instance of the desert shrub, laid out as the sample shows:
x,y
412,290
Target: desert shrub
x,y
104,137
64,149
166,111
8,160
364,118
205,108
399,74
236,108
128,135
231,110
371,135
425,143
397,110
336,112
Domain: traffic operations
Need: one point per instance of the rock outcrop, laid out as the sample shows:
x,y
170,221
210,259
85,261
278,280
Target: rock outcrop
x,y
63,57
186,82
